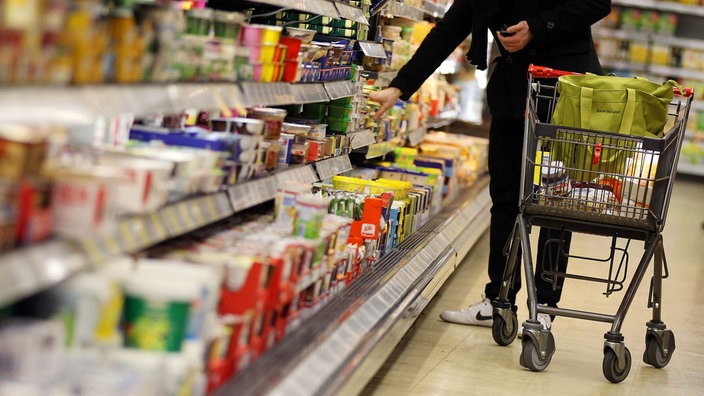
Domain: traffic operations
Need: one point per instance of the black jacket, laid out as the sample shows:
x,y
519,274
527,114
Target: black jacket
x,y
561,39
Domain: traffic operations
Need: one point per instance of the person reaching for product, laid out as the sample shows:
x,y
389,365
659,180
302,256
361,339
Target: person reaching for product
x,y
552,33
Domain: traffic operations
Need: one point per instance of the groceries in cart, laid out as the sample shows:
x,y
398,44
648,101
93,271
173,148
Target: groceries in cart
x,y
604,191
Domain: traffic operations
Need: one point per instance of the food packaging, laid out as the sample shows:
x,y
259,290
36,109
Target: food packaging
x,y
272,118
147,184
84,201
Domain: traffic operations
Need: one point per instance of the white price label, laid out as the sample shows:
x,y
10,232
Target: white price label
x,y
351,13
252,193
361,138
173,220
340,89
309,93
281,93
378,149
222,205
417,136
333,166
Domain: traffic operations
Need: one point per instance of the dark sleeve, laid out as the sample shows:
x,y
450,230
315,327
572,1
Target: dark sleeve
x,y
442,39
558,24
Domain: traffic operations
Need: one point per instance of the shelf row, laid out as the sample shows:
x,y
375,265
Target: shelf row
x,y
338,350
664,71
29,270
399,9
690,169
82,104
327,8
604,32
670,6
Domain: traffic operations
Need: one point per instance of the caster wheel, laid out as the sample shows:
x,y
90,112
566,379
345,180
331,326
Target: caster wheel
x,y
500,329
531,357
654,355
610,366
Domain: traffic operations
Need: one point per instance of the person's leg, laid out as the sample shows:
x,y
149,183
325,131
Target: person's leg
x,y
505,156
505,153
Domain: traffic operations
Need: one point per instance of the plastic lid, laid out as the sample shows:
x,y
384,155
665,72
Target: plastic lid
x,y
203,13
160,288
225,16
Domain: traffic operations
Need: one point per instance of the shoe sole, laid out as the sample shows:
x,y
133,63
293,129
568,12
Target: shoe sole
x,y
487,323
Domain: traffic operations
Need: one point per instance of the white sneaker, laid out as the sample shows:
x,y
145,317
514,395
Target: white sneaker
x,y
544,320
477,314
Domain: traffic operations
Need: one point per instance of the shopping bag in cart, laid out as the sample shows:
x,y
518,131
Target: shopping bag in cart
x,y
629,106
632,106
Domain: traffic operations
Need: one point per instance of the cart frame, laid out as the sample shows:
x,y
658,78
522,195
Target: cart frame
x,y
623,196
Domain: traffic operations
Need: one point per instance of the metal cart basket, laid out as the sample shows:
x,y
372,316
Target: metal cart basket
x,y
592,182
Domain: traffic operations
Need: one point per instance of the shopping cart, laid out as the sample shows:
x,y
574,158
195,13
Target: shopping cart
x,y
591,182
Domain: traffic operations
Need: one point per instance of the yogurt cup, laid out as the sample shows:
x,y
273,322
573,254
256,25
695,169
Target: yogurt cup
x,y
252,34
146,188
156,312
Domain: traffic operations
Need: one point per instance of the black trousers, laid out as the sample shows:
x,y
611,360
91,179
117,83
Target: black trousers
x,y
505,156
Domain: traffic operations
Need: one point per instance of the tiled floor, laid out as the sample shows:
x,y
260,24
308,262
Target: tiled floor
x,y
438,358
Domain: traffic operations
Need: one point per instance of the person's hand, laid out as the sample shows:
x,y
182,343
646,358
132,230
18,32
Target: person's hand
x,y
386,98
519,38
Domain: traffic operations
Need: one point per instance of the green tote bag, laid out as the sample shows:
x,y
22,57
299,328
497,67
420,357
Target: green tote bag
x,y
631,106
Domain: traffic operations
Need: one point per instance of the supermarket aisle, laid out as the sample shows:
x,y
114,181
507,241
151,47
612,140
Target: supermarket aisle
x,y
438,358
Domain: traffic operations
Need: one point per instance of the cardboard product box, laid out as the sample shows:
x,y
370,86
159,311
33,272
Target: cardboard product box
x,y
423,161
401,207
21,157
368,227
393,232
423,213
636,191
244,291
412,207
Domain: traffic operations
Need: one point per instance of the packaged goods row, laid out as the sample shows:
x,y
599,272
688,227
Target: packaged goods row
x,y
644,51
146,162
642,36
87,42
235,289
639,20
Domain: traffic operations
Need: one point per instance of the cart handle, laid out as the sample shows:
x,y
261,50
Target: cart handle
x,y
548,72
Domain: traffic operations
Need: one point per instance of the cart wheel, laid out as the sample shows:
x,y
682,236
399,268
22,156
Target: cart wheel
x,y
610,366
499,329
654,354
530,354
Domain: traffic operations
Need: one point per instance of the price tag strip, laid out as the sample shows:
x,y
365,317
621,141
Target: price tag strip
x,y
309,93
303,174
399,9
256,93
174,219
333,166
340,89
352,13
246,195
417,136
137,233
319,7
362,138
379,149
